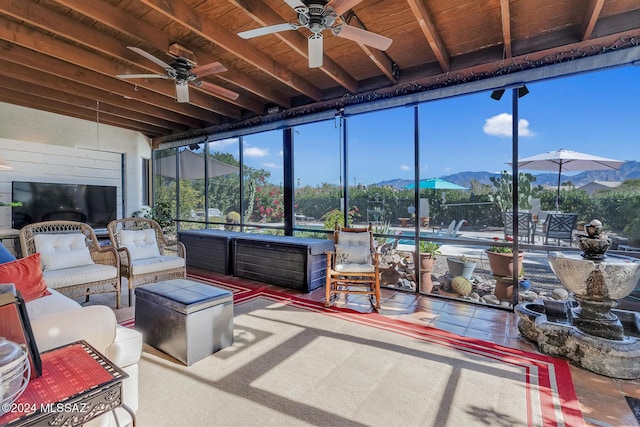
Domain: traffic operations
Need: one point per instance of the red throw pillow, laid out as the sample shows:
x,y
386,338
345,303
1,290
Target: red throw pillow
x,y
26,275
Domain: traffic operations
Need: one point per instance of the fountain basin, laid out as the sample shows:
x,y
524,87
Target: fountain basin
x,y
611,278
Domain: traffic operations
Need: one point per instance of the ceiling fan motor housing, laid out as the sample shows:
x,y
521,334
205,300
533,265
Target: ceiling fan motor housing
x,y
317,17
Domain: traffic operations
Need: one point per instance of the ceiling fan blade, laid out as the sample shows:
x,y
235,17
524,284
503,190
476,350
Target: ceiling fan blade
x,y
341,6
217,90
315,50
208,69
182,92
362,36
142,76
267,30
296,4
150,57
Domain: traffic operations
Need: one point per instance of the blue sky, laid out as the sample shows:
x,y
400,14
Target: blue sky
x,y
595,113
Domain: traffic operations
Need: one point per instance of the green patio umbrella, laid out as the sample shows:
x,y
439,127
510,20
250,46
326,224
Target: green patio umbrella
x,y
436,184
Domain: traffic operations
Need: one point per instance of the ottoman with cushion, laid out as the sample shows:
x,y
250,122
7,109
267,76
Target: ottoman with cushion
x,y
185,319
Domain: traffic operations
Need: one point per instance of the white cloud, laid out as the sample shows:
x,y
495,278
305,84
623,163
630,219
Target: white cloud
x,y
500,125
272,165
405,167
256,152
222,143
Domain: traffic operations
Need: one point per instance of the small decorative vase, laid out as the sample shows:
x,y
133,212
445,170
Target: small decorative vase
x,y
426,267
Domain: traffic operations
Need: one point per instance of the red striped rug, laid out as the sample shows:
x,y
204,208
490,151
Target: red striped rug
x,y
548,388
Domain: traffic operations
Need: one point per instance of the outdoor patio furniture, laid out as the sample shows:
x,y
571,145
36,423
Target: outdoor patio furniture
x,y
185,319
352,268
146,255
526,226
559,226
73,261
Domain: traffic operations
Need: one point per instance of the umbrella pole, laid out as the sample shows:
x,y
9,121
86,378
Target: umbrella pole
x,y
558,191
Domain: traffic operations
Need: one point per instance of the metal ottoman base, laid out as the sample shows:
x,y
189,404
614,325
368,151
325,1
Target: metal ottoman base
x,y
187,320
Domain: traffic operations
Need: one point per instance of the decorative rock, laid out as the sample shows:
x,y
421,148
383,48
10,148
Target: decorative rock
x,y
491,299
560,294
474,297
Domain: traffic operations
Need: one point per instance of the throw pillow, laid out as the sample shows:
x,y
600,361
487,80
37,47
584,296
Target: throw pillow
x,y
26,275
352,254
142,244
58,251
5,255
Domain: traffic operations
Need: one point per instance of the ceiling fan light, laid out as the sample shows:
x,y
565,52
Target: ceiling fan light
x,y
315,50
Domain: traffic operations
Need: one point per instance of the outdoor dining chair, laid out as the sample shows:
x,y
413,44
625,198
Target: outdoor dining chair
x,y
559,226
526,226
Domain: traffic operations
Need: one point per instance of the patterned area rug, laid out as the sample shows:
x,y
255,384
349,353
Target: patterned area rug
x,y
295,362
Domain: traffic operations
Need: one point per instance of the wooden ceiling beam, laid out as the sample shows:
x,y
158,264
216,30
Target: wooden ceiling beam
x,y
591,15
505,15
67,28
34,101
264,15
128,24
181,12
430,32
19,80
378,57
85,61
74,78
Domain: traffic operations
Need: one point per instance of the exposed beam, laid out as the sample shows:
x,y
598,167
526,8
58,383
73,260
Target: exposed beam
x,y
69,29
34,101
591,16
72,78
430,32
505,14
181,12
264,15
125,23
381,59
21,81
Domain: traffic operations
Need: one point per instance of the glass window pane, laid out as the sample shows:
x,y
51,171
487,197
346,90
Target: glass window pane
x,y
223,185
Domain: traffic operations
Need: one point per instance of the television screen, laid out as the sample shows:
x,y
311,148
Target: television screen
x,y
43,201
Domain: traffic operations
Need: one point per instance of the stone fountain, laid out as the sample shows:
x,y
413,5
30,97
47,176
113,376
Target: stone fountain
x,y
588,330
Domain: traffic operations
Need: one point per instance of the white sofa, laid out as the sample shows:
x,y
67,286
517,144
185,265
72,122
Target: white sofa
x,y
57,320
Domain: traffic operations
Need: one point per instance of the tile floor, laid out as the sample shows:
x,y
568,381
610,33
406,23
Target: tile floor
x,y
602,399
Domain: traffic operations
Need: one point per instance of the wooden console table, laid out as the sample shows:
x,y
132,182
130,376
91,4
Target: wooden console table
x,y
77,385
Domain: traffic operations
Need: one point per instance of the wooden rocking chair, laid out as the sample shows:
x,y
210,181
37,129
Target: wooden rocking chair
x,y
353,266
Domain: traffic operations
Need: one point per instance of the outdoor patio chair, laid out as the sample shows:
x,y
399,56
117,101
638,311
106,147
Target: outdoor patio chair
x,y
352,268
559,226
73,262
526,226
448,231
146,255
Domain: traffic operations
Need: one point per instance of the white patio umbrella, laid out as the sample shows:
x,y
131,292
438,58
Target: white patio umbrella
x,y
192,166
567,160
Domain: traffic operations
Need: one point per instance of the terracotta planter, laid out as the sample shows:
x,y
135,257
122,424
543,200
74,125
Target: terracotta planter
x,y
504,288
426,267
502,264
460,268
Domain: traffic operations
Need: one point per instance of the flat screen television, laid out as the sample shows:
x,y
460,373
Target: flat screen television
x,y
45,201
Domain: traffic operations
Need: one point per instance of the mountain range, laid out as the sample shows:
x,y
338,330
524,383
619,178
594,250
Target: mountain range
x,y
629,170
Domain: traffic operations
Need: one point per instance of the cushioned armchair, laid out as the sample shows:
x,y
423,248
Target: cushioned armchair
x,y
146,255
72,260
353,267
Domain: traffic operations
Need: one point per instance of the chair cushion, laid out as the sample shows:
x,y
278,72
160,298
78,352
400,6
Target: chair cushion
x,y
354,268
142,244
26,274
58,251
352,254
55,302
354,239
57,279
160,263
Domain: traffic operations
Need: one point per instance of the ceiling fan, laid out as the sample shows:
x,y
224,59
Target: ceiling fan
x,y
184,71
317,16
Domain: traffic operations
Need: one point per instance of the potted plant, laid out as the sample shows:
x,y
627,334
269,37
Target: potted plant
x,y
428,252
501,260
461,265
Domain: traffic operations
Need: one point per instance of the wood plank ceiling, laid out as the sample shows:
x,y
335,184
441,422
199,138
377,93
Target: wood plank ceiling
x,y
63,56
